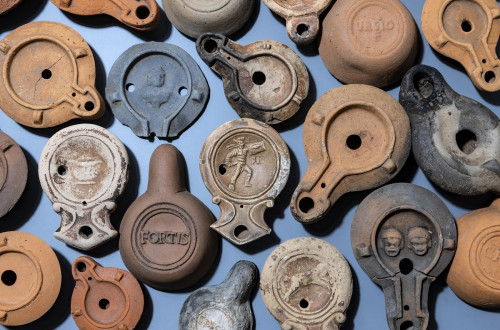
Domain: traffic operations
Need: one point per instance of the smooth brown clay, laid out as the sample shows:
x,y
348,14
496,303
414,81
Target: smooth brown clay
x,y
403,236
165,236
105,297
8,5
245,164
468,32
265,80
30,278
143,15
356,137
47,76
474,275
302,17
83,170
13,173
306,284
368,42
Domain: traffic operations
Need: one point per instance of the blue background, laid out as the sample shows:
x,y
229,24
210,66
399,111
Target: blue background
x,y
108,39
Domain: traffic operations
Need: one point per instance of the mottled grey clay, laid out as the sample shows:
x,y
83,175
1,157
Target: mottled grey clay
x,y
156,88
456,140
223,306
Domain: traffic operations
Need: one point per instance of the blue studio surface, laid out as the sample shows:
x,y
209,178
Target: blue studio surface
x,y
108,39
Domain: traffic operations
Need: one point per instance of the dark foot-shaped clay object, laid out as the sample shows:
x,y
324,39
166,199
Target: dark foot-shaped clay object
x,y
223,306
